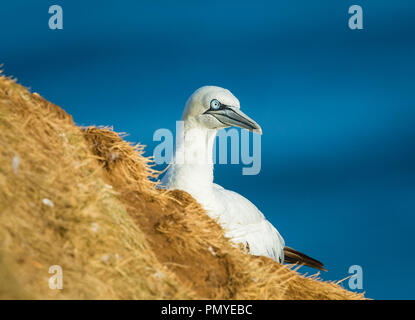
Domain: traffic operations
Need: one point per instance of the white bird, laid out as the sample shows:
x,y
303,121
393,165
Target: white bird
x,y
208,110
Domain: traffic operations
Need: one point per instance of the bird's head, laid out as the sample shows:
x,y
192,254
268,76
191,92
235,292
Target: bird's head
x,y
216,108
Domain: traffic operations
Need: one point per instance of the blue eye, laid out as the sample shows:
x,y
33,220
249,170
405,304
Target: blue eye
x,y
215,104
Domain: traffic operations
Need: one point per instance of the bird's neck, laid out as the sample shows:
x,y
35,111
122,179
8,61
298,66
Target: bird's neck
x,y
192,166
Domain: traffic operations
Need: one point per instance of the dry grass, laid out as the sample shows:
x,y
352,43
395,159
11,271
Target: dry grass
x,y
114,234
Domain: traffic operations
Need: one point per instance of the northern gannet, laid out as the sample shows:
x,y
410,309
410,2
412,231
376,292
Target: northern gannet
x,y
208,110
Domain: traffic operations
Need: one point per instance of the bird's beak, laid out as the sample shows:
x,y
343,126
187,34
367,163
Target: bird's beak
x,y
234,117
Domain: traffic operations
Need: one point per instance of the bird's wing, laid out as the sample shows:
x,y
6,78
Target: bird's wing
x,y
245,224
293,256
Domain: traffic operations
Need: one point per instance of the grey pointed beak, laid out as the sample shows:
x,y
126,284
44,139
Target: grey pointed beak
x,y
231,116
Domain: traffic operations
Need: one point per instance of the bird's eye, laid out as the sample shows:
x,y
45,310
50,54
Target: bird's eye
x,y
215,104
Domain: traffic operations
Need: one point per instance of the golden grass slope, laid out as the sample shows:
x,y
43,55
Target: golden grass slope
x,y
83,200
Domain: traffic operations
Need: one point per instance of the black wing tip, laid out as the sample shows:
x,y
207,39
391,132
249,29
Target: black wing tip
x,y
293,256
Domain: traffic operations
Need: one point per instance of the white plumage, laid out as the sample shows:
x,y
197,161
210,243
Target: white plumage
x,y
208,110
192,171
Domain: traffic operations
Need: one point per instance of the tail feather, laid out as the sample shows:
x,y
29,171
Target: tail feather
x,y
294,256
